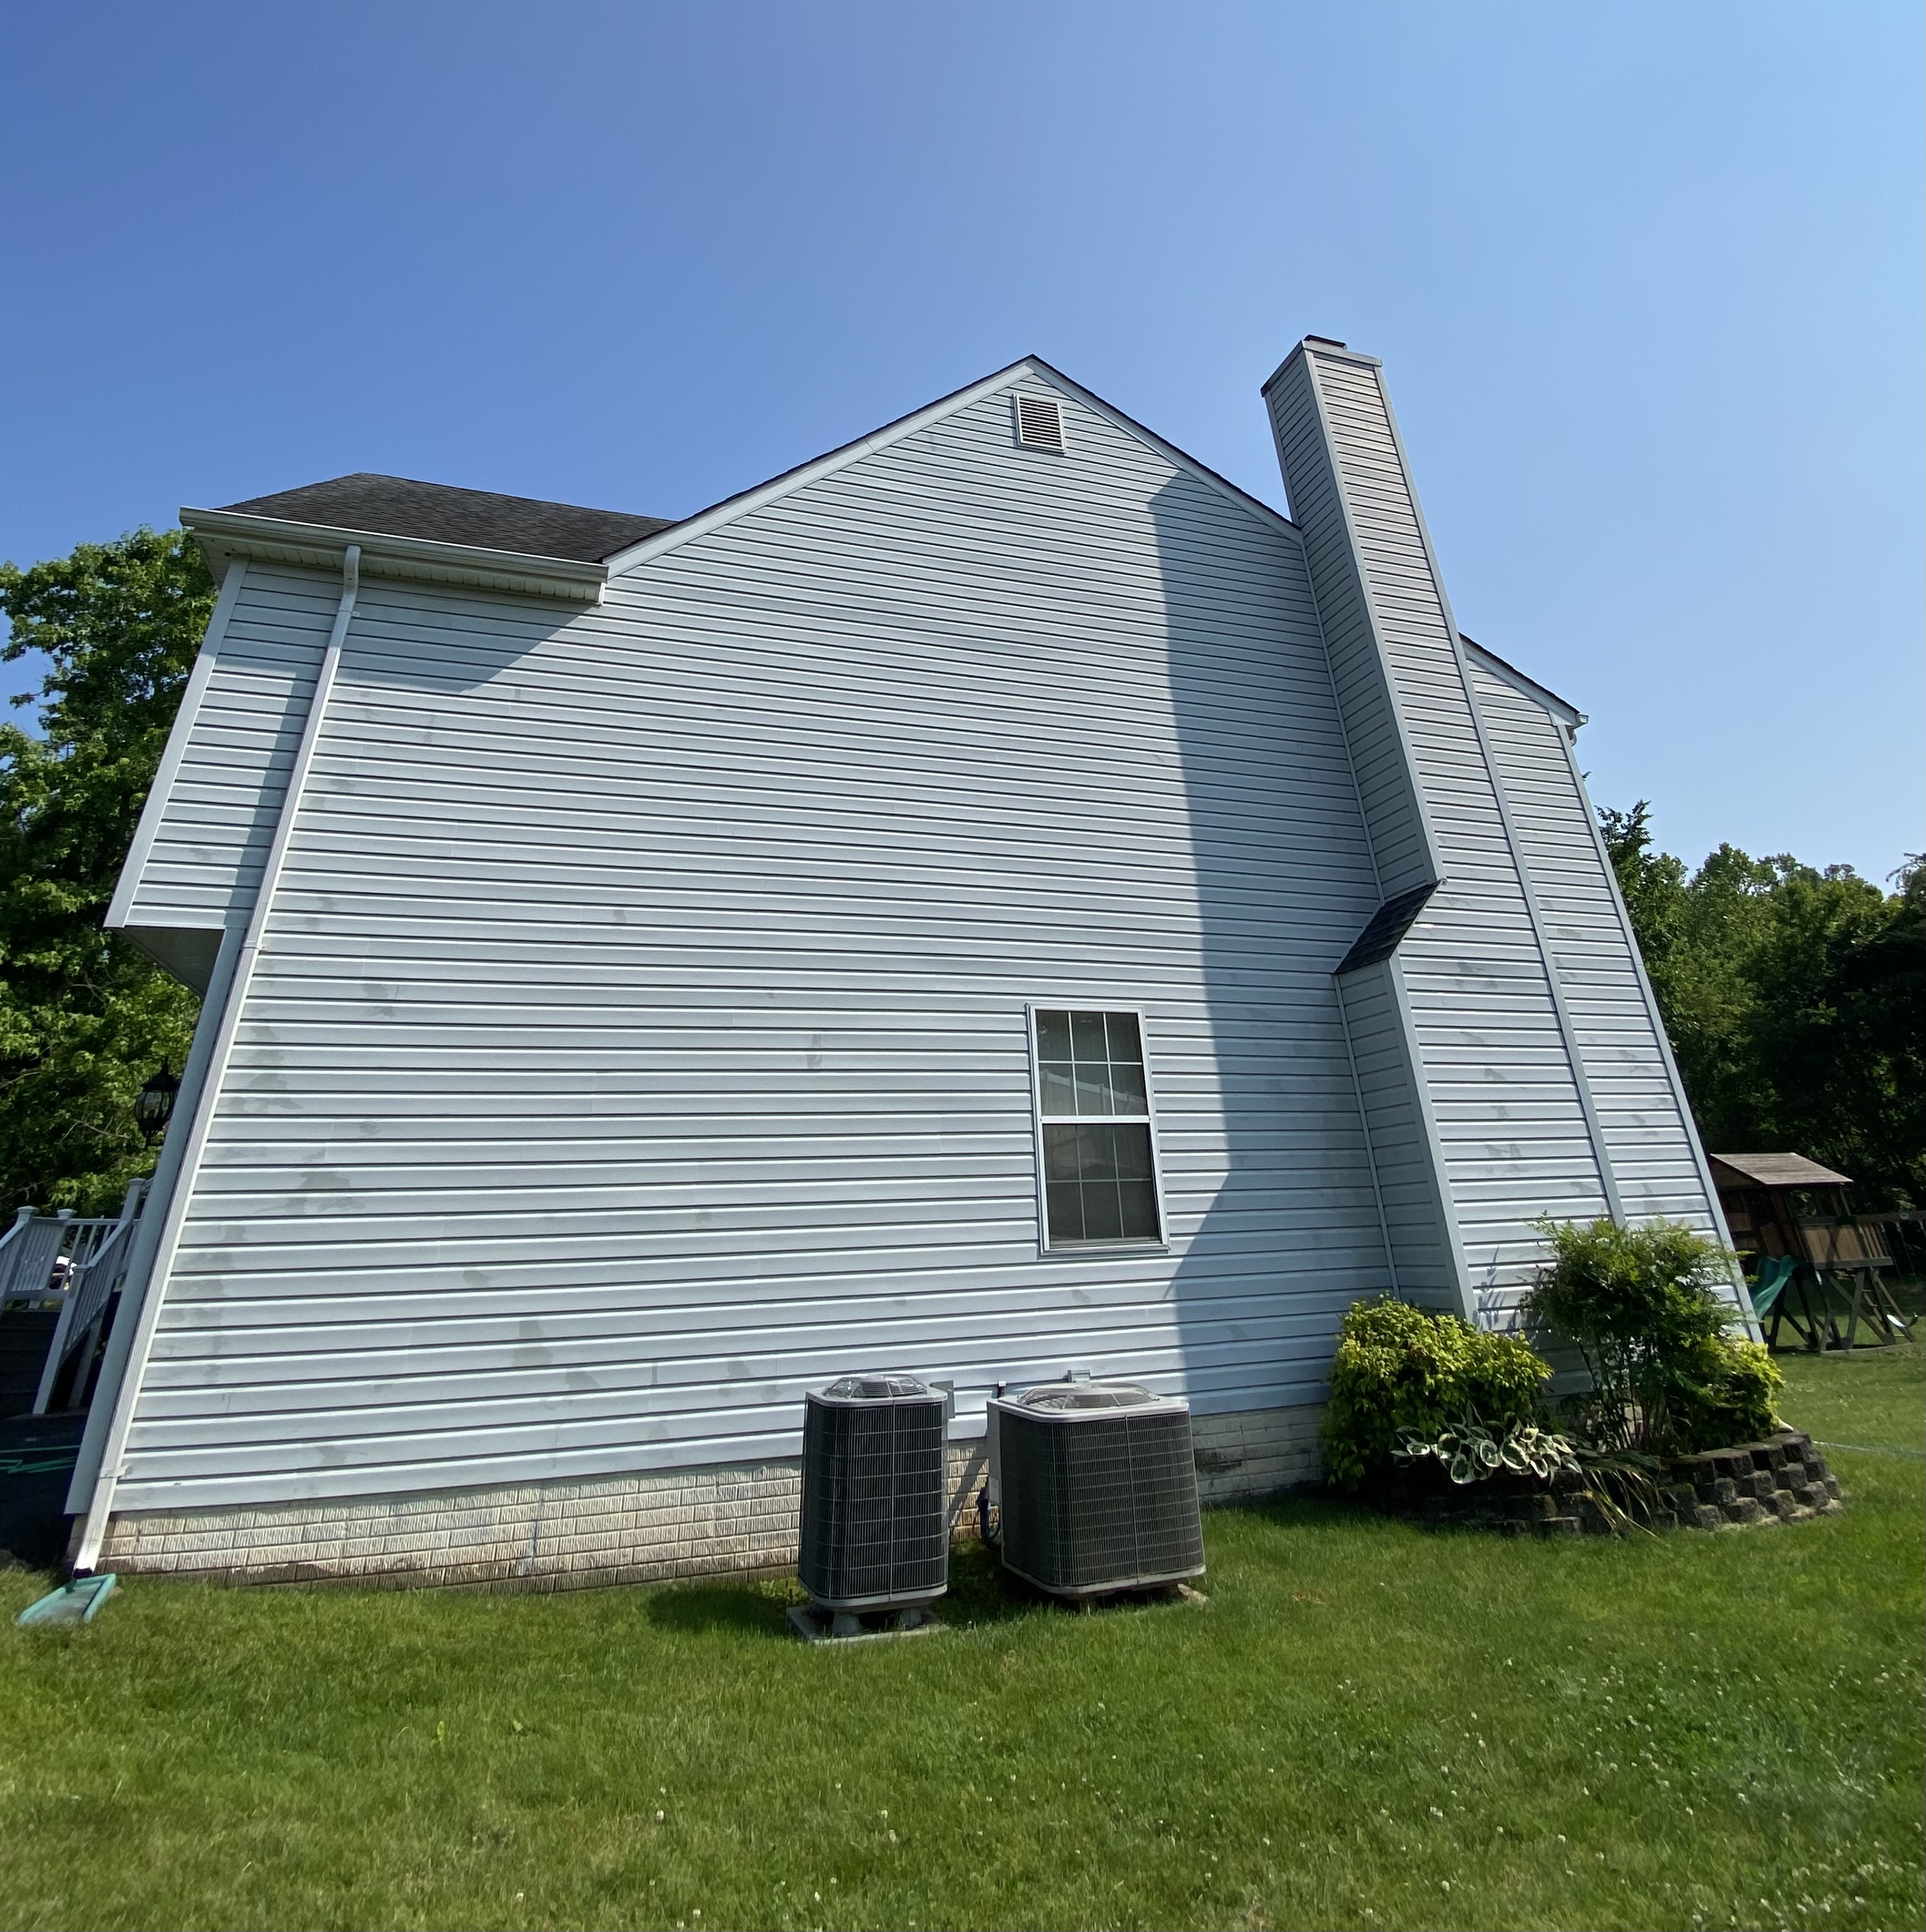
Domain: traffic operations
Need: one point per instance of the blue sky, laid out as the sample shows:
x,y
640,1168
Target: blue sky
x,y
1647,280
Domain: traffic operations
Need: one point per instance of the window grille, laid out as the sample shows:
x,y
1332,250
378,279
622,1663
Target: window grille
x,y
1093,1106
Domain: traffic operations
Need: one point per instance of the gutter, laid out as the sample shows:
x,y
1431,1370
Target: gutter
x,y
223,534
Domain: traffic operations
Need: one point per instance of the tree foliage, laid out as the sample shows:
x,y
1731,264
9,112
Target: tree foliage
x,y
1795,1000
84,1017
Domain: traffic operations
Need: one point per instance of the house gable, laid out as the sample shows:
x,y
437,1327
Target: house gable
x,y
641,1018
1031,373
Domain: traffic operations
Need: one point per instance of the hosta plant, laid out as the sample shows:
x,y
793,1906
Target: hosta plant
x,y
1470,1452
1622,1485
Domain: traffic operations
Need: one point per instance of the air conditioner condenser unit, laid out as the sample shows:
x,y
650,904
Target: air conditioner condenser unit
x,y
1098,1487
875,1528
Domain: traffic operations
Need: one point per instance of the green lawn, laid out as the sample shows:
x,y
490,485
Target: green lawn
x,y
1368,1724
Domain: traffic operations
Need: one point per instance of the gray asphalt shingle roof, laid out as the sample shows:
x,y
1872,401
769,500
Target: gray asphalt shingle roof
x,y
398,506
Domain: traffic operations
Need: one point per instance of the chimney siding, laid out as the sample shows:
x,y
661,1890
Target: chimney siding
x,y
1498,1075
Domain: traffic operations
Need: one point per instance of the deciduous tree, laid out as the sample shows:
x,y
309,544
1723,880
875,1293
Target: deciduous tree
x,y
84,1017
1795,999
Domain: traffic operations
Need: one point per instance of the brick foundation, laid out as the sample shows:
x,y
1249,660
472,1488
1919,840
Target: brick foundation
x,y
736,1519
1261,1452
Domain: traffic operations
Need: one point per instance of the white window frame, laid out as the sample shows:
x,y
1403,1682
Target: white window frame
x,y
1086,1250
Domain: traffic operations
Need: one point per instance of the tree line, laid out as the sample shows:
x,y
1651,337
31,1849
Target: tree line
x,y
1794,996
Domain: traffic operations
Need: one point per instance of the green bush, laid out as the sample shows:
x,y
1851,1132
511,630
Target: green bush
x,y
1731,1395
1402,1371
1642,1306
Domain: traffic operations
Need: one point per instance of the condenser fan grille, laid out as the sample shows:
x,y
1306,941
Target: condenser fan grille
x,y
875,1530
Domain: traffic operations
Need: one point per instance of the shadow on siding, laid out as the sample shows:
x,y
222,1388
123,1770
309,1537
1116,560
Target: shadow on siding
x,y
434,639
1276,1226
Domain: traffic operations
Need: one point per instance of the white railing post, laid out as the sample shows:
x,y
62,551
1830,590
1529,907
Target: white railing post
x,y
63,1327
10,1245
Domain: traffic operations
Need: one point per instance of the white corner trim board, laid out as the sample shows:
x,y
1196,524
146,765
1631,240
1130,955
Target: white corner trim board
x,y
153,1288
128,1327
1364,1128
1454,1237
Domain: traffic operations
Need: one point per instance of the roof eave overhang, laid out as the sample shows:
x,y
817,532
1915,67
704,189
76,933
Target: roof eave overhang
x,y
1567,713
224,534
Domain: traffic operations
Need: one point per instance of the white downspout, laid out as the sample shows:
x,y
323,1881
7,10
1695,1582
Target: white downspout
x,y
140,1321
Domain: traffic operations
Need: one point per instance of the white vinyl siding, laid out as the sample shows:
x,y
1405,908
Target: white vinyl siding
x,y
638,1038
1417,1215
1647,1132
1393,805
217,818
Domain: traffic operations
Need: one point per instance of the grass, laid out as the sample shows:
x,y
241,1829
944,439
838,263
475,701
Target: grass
x,y
1368,1724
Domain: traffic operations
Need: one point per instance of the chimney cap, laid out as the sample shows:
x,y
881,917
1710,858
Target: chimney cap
x,y
1343,349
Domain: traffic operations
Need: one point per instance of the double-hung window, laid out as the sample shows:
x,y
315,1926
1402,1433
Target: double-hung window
x,y
1093,1108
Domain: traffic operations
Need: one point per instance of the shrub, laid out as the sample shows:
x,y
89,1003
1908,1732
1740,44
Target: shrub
x,y
1641,1306
1401,1371
1731,1396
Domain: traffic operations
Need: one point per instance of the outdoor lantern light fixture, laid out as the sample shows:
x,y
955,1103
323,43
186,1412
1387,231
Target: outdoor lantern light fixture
x,y
155,1105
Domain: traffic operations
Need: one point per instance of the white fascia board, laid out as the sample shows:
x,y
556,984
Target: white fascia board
x,y
1567,714
224,533
745,501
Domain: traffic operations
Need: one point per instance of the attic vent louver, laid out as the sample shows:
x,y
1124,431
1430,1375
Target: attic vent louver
x,y
1040,423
